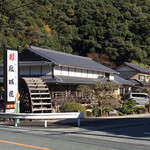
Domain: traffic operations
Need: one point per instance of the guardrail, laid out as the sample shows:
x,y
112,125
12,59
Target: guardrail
x,y
42,116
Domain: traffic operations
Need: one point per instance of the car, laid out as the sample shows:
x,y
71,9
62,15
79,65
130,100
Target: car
x,y
140,98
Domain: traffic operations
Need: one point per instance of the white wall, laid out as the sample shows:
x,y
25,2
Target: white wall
x,y
46,70
118,91
84,73
72,72
78,73
65,71
90,74
75,72
35,70
111,76
95,74
57,70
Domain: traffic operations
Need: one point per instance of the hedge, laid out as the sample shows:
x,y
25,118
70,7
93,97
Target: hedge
x,y
73,107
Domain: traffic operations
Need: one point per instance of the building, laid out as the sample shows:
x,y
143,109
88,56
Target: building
x,y
138,75
49,76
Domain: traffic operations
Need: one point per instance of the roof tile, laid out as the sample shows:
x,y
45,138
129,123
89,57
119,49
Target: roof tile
x,y
65,59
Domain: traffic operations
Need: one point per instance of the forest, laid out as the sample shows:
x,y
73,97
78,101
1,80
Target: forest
x,y
108,31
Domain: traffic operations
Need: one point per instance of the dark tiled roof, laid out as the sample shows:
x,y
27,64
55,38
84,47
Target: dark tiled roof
x,y
33,63
77,80
65,59
139,83
144,83
135,82
127,74
136,67
116,83
122,80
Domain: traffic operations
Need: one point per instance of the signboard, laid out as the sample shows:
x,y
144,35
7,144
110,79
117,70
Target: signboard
x,y
10,110
12,75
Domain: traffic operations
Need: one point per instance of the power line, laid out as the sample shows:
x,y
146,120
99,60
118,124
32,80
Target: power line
x,y
45,35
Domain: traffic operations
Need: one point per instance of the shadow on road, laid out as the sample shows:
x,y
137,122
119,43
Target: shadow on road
x,y
133,127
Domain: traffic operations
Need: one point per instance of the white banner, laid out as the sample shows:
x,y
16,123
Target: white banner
x,y
12,75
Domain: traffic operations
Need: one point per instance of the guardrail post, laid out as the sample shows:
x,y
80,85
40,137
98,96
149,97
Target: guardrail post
x,y
45,123
16,122
78,122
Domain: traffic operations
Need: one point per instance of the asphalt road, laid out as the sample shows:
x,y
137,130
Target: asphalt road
x,y
94,134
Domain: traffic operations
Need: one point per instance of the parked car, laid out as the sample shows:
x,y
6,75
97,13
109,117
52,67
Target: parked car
x,y
140,98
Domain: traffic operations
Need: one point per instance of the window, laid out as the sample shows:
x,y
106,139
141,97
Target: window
x,y
121,91
140,95
107,75
141,77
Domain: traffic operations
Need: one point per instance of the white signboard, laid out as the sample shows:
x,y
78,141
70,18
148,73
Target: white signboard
x,y
12,75
10,111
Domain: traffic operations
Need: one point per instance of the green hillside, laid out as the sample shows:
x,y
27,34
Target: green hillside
x,y
111,30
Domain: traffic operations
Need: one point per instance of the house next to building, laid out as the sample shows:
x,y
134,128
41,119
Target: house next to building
x,y
138,75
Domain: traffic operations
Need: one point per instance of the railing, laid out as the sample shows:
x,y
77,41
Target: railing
x,y
43,116
63,95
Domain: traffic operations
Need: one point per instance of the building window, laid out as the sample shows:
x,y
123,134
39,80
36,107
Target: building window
x,y
141,77
107,75
121,91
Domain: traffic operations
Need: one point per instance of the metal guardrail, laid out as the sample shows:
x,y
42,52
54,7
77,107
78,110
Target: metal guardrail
x,y
42,116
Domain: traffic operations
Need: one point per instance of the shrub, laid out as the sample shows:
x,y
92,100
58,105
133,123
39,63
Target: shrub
x,y
139,109
73,107
88,107
89,113
147,106
130,103
127,107
106,111
96,111
124,110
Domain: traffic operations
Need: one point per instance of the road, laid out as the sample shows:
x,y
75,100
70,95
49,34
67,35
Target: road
x,y
98,134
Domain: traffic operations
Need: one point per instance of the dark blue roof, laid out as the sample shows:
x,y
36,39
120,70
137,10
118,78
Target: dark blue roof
x,y
136,67
122,80
139,83
65,59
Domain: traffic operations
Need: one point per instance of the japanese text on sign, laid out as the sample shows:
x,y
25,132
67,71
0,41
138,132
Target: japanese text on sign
x,y
12,75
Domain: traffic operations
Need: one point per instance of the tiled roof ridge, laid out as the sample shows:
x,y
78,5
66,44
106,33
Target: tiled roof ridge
x,y
135,66
59,52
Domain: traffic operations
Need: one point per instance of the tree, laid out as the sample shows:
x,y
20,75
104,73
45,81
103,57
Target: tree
x,y
104,95
101,93
114,28
87,91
